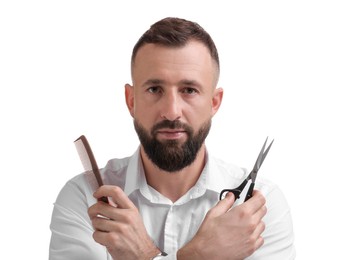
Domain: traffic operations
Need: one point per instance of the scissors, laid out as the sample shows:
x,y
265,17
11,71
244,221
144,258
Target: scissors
x,y
252,176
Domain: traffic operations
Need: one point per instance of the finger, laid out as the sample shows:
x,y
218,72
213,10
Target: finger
x,y
259,243
104,238
101,209
255,240
222,206
102,224
259,229
259,214
117,194
256,202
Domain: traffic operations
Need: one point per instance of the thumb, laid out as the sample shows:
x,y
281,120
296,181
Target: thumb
x,y
222,206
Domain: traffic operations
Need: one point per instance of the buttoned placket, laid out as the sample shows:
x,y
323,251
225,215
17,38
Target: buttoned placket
x,y
169,234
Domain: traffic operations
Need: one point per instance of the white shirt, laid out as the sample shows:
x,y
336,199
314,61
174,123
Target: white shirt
x,y
170,225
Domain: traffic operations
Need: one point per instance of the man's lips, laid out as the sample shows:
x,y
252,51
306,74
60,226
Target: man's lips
x,y
171,133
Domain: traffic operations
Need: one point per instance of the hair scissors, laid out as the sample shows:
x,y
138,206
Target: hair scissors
x,y
252,176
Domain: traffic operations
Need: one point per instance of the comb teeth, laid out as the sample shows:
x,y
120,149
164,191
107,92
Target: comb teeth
x,y
83,155
87,158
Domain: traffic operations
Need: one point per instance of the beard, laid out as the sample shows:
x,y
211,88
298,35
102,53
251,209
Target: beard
x,y
172,155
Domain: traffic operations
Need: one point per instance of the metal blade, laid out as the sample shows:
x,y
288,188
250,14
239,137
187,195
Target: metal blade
x,y
261,157
265,153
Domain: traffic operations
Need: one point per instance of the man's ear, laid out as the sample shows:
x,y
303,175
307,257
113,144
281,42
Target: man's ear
x,y
129,97
216,100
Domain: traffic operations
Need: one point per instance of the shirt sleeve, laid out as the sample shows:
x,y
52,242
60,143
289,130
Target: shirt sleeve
x,y
71,229
278,235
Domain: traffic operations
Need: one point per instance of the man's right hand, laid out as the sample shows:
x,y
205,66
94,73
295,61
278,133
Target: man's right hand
x,y
228,233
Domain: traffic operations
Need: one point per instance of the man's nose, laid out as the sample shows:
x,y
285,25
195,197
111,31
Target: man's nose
x,y
171,106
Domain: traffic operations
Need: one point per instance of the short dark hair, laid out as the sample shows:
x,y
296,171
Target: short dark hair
x,y
176,32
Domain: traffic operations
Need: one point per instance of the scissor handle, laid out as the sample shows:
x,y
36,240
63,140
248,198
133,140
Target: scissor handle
x,y
236,193
250,191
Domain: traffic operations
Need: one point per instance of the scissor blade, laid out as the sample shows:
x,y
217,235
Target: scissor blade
x,y
262,155
265,152
253,176
259,158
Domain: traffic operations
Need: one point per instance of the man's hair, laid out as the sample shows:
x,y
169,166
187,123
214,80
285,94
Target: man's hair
x,y
176,32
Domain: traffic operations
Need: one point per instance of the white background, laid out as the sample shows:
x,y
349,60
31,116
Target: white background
x,y
285,71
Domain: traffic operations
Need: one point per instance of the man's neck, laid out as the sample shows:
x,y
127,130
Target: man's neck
x,y
173,185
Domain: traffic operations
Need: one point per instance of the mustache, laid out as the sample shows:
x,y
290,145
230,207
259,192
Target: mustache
x,y
176,124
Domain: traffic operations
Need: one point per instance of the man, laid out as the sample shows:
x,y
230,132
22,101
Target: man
x,y
164,198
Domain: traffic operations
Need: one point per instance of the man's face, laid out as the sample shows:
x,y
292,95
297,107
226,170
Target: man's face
x,y
172,100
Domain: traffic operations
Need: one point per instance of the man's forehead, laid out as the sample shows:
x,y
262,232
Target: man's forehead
x,y
193,53
193,56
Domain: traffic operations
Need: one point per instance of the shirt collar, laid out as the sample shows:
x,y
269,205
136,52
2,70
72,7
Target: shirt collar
x,y
216,176
135,176
136,180
222,175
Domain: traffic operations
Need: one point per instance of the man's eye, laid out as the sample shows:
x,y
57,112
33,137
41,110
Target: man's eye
x,y
154,89
189,91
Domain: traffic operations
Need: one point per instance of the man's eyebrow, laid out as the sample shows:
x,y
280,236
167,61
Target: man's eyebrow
x,y
153,82
190,83
184,82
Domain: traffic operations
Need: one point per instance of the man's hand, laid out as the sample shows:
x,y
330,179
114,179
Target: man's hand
x,y
228,233
119,226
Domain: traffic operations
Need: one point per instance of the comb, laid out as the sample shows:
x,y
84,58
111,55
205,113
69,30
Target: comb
x,y
88,160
